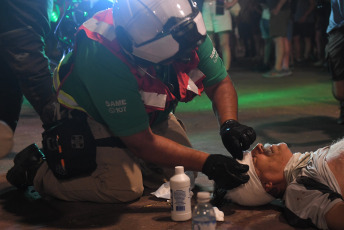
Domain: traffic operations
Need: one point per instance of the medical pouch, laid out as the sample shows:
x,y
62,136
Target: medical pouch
x,y
69,147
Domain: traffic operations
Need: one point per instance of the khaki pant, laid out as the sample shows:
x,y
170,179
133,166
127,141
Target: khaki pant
x,y
119,177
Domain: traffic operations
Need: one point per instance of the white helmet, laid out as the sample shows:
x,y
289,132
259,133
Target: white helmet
x,y
158,31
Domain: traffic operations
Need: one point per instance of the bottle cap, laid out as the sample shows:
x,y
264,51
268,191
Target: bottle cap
x,y
203,196
179,170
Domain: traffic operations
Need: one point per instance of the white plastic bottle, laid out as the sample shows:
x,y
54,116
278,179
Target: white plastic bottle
x,y
180,195
203,216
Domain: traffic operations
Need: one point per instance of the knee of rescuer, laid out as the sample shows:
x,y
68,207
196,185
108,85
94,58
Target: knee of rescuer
x,y
129,195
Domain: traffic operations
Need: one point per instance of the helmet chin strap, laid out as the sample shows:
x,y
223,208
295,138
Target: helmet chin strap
x,y
129,55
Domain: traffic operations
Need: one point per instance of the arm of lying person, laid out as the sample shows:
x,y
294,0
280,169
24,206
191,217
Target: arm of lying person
x,y
335,216
225,171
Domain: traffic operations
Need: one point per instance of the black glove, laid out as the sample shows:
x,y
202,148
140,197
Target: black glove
x,y
219,194
236,137
225,171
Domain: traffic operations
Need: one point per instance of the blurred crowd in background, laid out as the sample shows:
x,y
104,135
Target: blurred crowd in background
x,y
247,42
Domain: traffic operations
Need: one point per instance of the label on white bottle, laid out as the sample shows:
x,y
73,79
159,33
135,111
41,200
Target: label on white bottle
x,y
181,204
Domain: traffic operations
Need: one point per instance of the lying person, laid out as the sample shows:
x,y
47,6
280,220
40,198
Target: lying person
x,y
311,184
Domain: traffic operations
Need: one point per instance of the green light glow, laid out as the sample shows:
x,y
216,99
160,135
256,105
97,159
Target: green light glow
x,y
296,96
55,15
290,96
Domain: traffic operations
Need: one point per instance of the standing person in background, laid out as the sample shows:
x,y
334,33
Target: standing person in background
x,y
218,20
335,50
199,4
304,21
264,25
279,19
322,14
24,68
288,64
248,26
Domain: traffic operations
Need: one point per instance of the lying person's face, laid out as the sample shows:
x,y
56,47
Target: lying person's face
x,y
269,162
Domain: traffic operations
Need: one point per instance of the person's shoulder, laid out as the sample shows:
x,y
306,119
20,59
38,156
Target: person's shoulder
x,y
93,50
92,54
206,46
207,52
93,59
321,151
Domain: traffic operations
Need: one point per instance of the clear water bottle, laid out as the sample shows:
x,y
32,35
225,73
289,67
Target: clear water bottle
x,y
203,216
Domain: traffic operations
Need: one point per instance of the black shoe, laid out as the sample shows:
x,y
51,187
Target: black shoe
x,y
26,164
340,120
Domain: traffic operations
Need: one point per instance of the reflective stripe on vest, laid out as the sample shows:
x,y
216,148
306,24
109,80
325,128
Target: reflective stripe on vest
x,y
154,99
63,97
195,76
99,27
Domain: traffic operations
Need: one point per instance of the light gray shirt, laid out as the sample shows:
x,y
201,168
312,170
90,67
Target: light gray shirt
x,y
314,191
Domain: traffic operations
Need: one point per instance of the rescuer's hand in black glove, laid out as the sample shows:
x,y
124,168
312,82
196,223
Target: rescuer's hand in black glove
x,y
236,137
225,171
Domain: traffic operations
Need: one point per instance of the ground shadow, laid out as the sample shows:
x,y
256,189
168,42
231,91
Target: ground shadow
x,y
295,128
70,215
